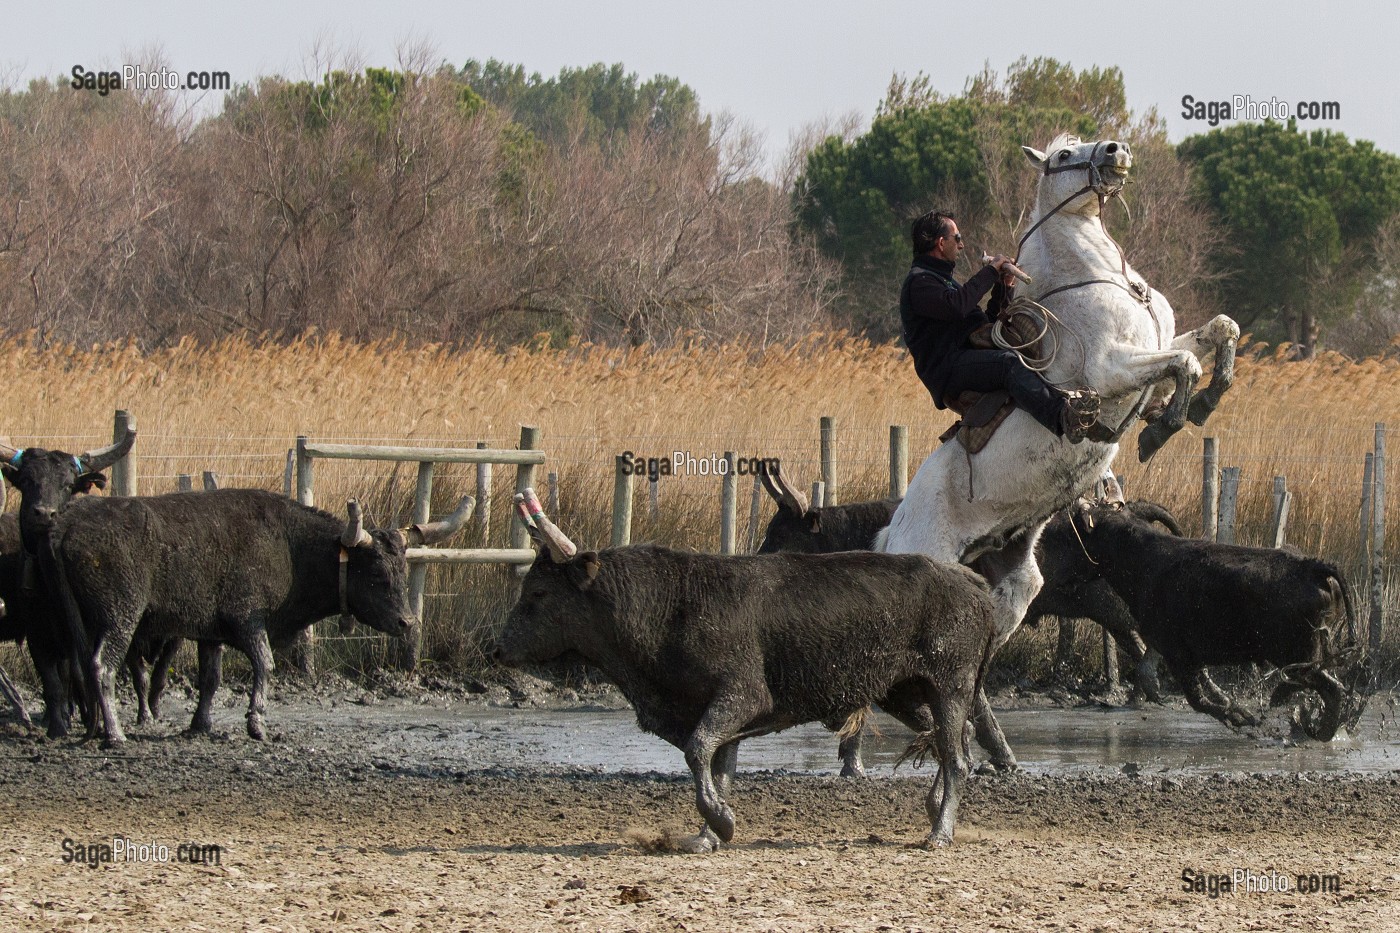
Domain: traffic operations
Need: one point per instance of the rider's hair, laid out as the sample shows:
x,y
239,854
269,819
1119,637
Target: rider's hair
x,y
928,228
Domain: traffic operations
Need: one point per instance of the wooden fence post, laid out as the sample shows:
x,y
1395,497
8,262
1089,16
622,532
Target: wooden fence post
x,y
828,431
654,498
622,504
552,502
1229,502
1364,574
1377,539
1210,490
483,498
306,495
728,506
124,470
300,652
404,653
524,479
289,473
818,495
184,483
899,460
1283,499
211,480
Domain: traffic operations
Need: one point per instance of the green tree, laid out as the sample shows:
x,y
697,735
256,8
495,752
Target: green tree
x,y
1301,210
596,103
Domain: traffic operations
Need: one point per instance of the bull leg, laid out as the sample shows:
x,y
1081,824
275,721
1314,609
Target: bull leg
x,y
725,716
12,694
1211,701
54,685
1219,339
1333,695
107,657
160,672
1145,676
140,682
722,769
260,653
951,714
210,673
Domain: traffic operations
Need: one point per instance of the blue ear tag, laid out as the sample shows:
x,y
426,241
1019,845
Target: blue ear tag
x,y
14,461
77,463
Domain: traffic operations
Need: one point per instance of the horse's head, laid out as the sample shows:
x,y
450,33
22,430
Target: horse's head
x,y
1091,170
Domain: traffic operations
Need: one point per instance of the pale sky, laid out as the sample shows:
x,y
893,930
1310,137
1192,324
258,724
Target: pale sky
x,y
775,65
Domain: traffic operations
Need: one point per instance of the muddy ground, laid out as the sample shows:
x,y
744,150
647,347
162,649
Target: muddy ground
x,y
347,820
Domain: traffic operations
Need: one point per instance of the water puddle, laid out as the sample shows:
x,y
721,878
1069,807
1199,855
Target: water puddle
x,y
1057,741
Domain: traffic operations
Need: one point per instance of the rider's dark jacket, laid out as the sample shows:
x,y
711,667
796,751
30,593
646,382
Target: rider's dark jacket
x,y
938,315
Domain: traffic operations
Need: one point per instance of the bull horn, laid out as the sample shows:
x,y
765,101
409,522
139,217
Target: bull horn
x,y
433,532
95,461
795,501
560,547
354,534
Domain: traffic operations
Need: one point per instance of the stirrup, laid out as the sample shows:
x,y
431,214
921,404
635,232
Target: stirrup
x,y
1079,414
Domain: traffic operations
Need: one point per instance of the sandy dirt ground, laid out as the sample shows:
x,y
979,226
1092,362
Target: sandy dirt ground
x,y
334,825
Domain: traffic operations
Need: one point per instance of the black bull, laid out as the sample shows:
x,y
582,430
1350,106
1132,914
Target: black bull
x,y
713,649
1068,591
241,567
1201,603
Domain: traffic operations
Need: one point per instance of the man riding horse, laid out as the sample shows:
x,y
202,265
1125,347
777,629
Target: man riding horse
x,y
940,318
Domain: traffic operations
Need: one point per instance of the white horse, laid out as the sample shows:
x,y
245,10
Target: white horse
x,y
1108,331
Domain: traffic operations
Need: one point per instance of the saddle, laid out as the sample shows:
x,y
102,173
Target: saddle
x,y
981,413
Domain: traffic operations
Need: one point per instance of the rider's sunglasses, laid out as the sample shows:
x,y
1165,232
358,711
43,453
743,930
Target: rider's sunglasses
x,y
957,237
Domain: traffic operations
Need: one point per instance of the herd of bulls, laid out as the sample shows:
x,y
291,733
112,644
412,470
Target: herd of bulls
x,y
709,649
816,627
93,583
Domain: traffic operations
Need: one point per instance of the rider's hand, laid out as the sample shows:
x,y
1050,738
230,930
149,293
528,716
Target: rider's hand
x,y
1002,264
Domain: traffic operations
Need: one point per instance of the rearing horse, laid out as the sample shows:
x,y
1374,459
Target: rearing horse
x,y
1106,329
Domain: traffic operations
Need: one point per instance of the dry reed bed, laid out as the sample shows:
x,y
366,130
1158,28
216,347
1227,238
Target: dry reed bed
x,y
237,406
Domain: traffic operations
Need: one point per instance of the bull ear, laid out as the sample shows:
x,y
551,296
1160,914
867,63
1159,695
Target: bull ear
x,y
86,481
584,569
1035,156
11,474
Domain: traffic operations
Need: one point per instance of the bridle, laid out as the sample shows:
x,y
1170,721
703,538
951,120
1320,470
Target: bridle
x,y
1138,291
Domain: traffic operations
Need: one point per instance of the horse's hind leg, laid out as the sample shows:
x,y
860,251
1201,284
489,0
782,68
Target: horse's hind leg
x,y
1015,580
1216,339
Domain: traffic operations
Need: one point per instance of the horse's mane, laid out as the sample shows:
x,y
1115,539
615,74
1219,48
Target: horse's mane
x,y
1063,141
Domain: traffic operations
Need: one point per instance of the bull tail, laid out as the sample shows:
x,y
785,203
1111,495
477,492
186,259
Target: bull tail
x,y
853,724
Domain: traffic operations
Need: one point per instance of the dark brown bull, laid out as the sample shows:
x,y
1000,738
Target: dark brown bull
x,y
225,566
1200,603
47,481
712,649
